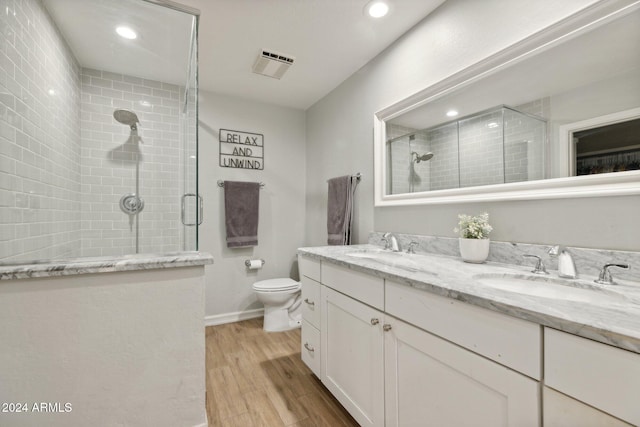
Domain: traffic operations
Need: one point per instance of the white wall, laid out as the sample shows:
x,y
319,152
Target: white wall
x,y
453,37
282,206
124,349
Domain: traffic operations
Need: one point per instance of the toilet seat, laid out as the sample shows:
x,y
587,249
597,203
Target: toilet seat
x,y
276,285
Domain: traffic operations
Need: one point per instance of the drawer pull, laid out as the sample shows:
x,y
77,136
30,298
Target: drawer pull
x,y
308,347
311,303
375,321
386,327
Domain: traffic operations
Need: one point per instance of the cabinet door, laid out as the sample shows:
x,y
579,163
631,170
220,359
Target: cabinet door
x,y
605,377
560,411
432,382
352,346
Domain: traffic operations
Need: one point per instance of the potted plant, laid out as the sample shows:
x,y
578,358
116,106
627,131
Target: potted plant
x,y
474,237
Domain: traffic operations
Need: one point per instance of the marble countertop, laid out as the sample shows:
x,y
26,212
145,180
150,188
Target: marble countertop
x,y
612,317
89,265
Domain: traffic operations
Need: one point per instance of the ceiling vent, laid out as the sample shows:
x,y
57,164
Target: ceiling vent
x,y
272,64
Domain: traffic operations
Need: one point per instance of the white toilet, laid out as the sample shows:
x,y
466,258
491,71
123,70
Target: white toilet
x,y
282,303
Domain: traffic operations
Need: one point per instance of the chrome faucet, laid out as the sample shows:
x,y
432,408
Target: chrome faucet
x,y
390,242
605,277
539,268
566,266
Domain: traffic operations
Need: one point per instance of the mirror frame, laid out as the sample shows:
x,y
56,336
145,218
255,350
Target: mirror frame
x,y
606,184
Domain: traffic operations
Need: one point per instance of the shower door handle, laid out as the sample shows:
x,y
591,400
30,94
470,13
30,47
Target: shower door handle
x,y
200,210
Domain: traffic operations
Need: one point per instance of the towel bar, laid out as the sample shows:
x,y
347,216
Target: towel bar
x,y
357,176
221,184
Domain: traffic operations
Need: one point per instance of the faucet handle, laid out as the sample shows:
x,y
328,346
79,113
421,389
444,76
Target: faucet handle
x,y
554,250
539,268
412,245
605,277
386,243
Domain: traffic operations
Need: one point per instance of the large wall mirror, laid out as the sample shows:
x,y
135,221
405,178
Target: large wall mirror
x,y
556,115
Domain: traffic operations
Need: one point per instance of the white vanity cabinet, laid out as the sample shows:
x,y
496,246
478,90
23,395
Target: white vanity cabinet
x,y
561,411
601,376
310,280
432,382
352,345
396,371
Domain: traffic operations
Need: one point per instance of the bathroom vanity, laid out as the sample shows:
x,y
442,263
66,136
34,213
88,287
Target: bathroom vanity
x,y
416,340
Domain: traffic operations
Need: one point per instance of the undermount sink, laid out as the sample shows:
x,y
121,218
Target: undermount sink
x,y
550,287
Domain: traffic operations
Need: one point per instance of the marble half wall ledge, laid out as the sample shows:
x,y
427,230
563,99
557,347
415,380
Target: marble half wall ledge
x,y
588,261
92,265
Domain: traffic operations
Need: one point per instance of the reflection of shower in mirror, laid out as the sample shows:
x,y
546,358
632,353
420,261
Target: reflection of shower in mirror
x,y
421,158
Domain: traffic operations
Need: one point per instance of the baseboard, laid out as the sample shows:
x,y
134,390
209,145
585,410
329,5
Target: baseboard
x,y
220,319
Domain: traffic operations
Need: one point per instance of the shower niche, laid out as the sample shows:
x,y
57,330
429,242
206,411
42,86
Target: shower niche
x,y
495,146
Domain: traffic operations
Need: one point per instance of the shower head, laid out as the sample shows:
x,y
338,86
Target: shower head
x,y
127,117
423,158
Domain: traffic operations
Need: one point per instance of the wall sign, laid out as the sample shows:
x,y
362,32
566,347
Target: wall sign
x,y
241,150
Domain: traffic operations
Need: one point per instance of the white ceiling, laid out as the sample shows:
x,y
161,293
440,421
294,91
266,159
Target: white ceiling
x,y
330,39
158,53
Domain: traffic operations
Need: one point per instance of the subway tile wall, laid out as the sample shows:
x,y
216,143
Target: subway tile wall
x,y
39,137
481,156
116,161
444,164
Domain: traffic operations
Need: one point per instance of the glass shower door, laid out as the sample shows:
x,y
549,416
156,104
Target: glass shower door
x,y
191,206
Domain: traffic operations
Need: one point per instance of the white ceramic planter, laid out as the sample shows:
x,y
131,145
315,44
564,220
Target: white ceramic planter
x,y
474,250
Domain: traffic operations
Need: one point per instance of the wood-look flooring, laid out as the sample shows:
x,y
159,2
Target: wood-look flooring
x,y
255,378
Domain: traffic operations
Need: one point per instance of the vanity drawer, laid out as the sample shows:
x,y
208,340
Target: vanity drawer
x,y
600,375
309,267
507,340
311,301
360,286
310,347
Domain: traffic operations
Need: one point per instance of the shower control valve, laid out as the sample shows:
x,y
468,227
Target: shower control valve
x,y
131,204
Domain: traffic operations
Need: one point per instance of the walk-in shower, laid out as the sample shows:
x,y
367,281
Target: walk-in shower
x,y
74,181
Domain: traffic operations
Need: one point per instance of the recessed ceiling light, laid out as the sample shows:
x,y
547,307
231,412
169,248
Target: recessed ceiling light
x,y
377,8
51,92
126,32
452,113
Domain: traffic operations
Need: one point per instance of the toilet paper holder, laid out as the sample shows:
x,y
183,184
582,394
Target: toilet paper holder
x,y
248,262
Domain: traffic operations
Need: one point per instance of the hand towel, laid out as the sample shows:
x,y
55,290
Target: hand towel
x,y
241,207
340,210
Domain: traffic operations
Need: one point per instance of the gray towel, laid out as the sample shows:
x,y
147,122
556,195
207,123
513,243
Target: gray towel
x,y
241,203
340,210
